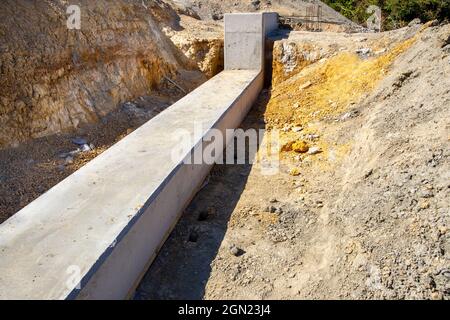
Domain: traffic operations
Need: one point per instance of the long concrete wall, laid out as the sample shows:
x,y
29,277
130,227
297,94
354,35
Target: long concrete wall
x,y
94,234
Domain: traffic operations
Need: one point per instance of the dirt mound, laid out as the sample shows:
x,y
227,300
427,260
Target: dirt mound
x,y
53,78
335,79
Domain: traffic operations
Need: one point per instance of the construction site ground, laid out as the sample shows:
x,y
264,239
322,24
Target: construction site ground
x,y
360,207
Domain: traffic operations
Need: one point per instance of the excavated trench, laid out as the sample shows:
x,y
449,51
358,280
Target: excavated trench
x,y
297,237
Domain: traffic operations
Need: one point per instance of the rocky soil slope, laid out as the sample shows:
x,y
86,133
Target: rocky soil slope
x,y
361,211
53,78
201,42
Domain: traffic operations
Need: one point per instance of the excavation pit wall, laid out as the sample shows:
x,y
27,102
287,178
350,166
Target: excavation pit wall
x,y
94,234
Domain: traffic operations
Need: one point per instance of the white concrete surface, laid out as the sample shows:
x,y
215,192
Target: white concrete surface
x,y
94,234
244,39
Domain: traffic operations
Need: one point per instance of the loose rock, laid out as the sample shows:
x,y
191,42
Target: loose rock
x,y
68,160
294,172
79,141
300,146
305,85
414,22
85,148
235,251
314,150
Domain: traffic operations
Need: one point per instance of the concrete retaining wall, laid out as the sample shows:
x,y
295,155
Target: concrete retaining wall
x,y
94,234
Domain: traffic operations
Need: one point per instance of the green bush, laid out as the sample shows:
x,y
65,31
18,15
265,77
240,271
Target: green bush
x,y
395,13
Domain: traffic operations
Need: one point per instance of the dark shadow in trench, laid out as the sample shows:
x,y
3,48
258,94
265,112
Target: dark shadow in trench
x,y
183,266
